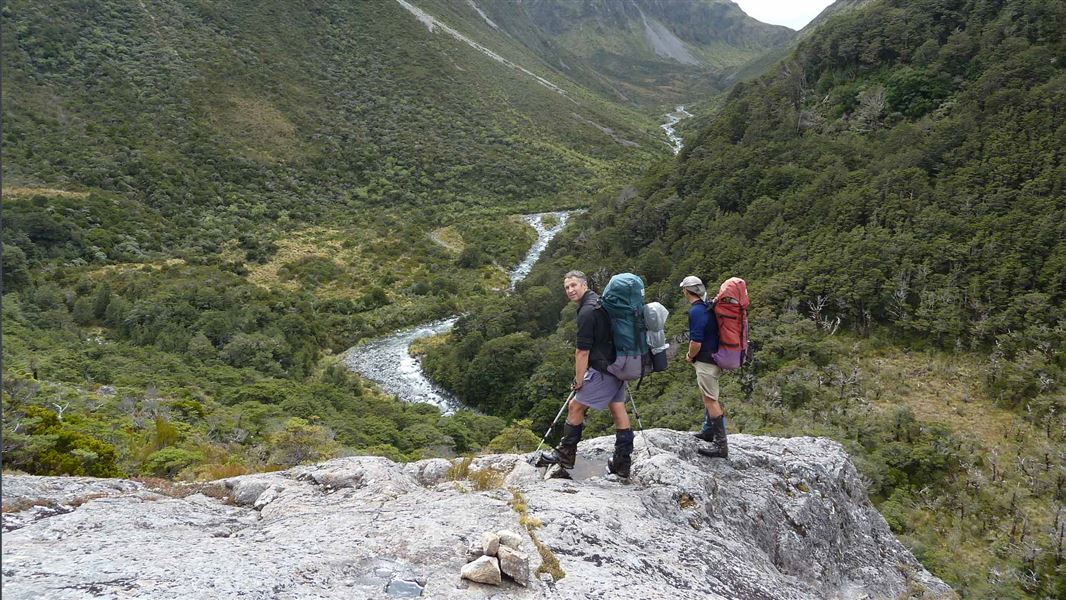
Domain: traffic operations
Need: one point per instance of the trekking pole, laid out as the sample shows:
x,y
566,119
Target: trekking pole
x,y
636,414
555,420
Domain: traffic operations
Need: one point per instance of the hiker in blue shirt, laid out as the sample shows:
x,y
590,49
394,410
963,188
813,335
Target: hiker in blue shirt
x,y
594,387
703,343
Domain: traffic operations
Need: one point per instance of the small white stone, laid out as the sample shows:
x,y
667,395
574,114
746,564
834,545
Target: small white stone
x,y
490,543
483,570
510,538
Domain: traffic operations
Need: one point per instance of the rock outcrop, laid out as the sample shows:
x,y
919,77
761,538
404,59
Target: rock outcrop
x,y
784,518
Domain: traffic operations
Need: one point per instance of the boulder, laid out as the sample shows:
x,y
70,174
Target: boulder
x,y
514,564
510,538
490,543
483,570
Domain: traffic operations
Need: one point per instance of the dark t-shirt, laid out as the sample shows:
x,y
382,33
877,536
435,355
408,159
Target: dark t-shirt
x,y
594,332
703,328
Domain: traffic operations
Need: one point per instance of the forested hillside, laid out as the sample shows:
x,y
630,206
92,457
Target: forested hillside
x,y
895,194
291,103
204,202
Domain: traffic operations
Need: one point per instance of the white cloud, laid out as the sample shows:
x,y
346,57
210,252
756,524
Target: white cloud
x,y
790,13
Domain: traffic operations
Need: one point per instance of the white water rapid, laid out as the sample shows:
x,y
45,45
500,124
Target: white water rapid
x,y
673,119
387,360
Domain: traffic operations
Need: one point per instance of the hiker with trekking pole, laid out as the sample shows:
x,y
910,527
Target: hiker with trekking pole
x,y
619,339
593,385
718,340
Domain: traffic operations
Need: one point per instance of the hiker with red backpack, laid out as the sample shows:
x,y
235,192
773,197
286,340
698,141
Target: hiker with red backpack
x,y
594,384
718,338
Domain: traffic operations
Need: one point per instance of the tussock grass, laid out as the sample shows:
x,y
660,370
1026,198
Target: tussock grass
x,y
423,345
306,243
481,479
175,489
460,469
946,389
262,131
549,561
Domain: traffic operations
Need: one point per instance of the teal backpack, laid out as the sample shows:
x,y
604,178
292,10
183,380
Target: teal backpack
x,y
623,299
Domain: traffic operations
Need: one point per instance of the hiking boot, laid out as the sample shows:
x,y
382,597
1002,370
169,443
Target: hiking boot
x,y
706,433
562,456
620,463
619,466
565,453
714,450
556,472
719,443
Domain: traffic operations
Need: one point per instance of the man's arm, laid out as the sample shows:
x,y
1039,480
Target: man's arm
x,y
581,364
693,350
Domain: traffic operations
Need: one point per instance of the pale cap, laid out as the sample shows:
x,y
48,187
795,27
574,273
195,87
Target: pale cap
x,y
691,281
694,285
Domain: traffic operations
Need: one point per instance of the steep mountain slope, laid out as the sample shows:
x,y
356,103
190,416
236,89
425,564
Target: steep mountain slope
x,y
836,8
896,186
180,103
648,52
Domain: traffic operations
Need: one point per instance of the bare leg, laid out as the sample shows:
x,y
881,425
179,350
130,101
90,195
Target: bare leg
x,y
575,415
621,417
714,409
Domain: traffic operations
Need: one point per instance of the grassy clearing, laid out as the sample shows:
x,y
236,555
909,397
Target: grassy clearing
x,y
315,241
1007,496
423,345
262,130
449,238
113,269
405,264
947,389
14,193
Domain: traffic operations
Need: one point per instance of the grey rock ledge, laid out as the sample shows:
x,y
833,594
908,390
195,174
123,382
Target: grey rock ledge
x,y
782,519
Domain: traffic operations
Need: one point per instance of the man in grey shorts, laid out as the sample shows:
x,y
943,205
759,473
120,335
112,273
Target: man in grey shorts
x,y
594,387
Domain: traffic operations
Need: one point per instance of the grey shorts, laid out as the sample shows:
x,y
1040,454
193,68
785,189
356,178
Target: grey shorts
x,y
600,389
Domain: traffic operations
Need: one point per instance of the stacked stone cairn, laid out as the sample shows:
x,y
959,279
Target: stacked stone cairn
x,y
498,554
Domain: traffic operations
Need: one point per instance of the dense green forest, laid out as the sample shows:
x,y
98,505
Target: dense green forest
x,y
896,196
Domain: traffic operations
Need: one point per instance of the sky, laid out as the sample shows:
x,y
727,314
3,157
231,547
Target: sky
x,y
790,13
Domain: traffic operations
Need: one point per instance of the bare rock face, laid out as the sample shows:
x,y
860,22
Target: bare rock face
x,y
782,519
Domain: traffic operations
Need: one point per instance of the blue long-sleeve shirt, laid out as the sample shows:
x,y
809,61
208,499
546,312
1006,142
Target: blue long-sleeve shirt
x,y
703,328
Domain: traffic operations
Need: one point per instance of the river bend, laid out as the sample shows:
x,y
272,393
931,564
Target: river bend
x,y
387,360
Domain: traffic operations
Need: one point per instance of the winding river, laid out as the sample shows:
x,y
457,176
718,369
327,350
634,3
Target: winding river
x,y
387,360
672,119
